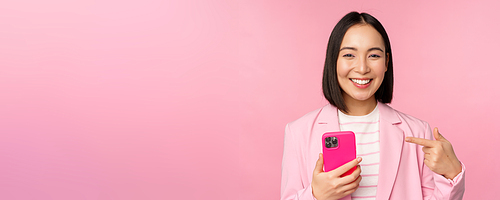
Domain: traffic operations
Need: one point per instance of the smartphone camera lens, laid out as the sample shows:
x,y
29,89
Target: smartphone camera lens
x,y
331,142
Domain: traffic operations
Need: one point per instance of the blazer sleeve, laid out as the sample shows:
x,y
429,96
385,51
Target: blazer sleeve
x,y
292,185
436,186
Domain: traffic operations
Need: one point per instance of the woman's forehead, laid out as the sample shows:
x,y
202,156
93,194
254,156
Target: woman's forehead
x,y
362,37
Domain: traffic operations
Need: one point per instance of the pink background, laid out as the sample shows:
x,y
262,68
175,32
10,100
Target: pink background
x,y
189,99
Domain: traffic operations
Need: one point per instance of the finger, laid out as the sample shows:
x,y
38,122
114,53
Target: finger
x,y
353,185
427,150
358,180
420,141
429,157
348,192
357,171
319,164
431,165
352,177
346,167
437,135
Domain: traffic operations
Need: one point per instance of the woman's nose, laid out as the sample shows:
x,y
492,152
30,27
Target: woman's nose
x,y
362,66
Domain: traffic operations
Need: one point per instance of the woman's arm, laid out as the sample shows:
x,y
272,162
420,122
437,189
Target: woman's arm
x,y
292,185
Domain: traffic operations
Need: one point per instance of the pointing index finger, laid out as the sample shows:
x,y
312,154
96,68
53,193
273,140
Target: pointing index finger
x,y
420,141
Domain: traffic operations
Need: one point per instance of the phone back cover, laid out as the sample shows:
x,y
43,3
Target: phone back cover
x,y
343,153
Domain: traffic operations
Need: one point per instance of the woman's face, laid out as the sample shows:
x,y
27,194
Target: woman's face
x,y
362,63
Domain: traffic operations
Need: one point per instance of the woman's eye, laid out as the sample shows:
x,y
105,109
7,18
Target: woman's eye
x,y
348,55
374,56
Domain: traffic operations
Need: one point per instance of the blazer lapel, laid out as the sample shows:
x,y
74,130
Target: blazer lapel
x,y
391,143
328,119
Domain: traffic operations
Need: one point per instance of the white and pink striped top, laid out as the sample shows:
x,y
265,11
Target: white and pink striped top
x,y
367,131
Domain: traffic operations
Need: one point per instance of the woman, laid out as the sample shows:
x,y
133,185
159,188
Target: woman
x,y
397,156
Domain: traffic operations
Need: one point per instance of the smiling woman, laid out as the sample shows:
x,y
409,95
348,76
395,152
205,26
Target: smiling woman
x,y
359,36
358,82
361,65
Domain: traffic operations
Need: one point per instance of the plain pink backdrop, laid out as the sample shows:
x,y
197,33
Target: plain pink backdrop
x,y
189,99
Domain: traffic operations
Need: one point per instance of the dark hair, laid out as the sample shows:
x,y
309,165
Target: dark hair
x,y
331,87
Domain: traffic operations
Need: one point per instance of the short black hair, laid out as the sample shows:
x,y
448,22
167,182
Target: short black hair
x,y
331,87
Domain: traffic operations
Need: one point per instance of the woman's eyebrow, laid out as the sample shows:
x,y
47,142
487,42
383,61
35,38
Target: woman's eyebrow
x,y
354,49
376,48
350,48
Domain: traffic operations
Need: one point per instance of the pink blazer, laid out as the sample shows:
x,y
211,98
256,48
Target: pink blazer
x,y
402,175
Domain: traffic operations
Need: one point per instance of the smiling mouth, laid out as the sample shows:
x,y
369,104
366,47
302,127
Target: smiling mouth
x,y
361,81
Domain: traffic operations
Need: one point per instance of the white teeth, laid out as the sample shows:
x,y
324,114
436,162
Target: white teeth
x,y
361,82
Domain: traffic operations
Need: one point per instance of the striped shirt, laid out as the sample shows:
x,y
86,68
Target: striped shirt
x,y
367,131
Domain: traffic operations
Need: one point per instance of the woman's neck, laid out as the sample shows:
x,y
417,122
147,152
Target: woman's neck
x,y
360,108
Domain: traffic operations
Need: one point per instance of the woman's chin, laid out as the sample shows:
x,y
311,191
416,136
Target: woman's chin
x,y
359,96
363,98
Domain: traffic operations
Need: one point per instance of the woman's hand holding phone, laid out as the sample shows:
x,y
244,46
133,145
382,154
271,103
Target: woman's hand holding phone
x,y
330,185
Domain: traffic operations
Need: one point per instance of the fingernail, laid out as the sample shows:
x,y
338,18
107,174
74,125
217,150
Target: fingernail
x,y
408,139
359,159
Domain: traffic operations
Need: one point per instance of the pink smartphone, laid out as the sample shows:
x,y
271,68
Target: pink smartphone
x,y
338,148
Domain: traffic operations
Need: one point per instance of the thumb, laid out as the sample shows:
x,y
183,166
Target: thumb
x,y
437,135
319,164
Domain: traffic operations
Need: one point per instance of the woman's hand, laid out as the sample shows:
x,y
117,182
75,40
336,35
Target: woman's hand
x,y
330,185
439,155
